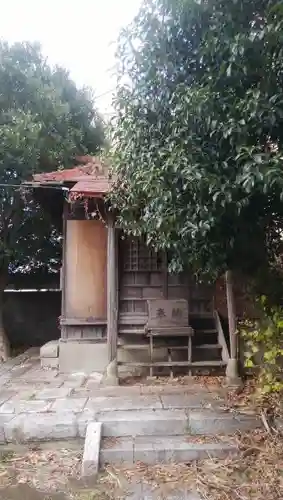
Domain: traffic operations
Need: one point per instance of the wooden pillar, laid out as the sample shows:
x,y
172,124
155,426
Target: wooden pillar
x,y
231,309
165,275
63,281
232,371
112,290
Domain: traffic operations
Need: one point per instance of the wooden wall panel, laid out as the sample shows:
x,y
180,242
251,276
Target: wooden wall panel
x,y
86,259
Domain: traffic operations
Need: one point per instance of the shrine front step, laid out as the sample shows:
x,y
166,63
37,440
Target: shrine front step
x,y
163,449
194,422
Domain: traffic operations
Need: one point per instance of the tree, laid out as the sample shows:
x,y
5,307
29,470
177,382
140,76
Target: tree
x,y
45,122
198,138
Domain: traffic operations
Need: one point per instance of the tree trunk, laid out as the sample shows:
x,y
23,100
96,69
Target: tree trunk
x,y
5,350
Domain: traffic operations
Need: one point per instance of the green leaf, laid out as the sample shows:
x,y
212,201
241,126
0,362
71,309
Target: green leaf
x,y
249,363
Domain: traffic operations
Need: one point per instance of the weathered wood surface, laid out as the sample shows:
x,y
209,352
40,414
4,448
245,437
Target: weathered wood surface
x,y
231,307
86,249
63,268
221,337
112,289
167,313
83,321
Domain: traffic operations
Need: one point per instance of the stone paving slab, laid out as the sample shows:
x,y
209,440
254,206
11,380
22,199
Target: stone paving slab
x,y
83,419
118,451
19,371
3,420
126,403
25,394
74,382
40,427
168,388
208,422
19,406
54,393
43,404
68,405
166,449
190,401
6,395
114,391
144,422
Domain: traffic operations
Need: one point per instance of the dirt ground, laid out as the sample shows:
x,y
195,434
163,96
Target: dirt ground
x,y
48,472
52,472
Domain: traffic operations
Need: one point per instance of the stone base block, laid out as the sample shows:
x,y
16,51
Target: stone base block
x,y
83,357
163,449
50,350
41,427
143,423
49,362
90,463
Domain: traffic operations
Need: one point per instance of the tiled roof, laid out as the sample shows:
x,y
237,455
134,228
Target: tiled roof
x,y
90,179
90,188
93,168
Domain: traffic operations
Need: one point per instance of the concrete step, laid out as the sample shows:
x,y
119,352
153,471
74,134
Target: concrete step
x,y
174,422
162,449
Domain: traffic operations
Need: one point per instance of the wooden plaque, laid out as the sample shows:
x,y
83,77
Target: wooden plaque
x,y
167,313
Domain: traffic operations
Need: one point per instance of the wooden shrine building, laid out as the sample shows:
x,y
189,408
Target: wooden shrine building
x,y
120,306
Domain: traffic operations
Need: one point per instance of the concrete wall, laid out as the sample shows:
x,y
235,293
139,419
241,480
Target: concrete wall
x,y
31,318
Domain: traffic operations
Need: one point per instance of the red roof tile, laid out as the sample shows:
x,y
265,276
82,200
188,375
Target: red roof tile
x,y
93,168
90,188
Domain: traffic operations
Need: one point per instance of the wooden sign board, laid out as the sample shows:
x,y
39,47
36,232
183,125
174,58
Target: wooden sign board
x,y
167,313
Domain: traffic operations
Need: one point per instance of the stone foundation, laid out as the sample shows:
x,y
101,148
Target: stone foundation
x,y
74,356
90,356
49,354
85,357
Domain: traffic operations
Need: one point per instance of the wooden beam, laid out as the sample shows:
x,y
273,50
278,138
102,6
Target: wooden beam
x,y
63,269
231,308
232,368
112,289
165,275
83,321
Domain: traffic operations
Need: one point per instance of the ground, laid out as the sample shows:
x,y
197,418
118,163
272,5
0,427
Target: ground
x,y
51,472
37,404
45,403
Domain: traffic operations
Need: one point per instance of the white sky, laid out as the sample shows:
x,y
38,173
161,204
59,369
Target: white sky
x,y
79,35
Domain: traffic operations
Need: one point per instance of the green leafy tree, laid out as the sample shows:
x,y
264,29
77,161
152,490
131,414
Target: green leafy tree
x,y
45,121
198,139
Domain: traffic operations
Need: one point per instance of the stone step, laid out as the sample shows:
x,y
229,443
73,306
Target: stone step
x,y
174,422
162,449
